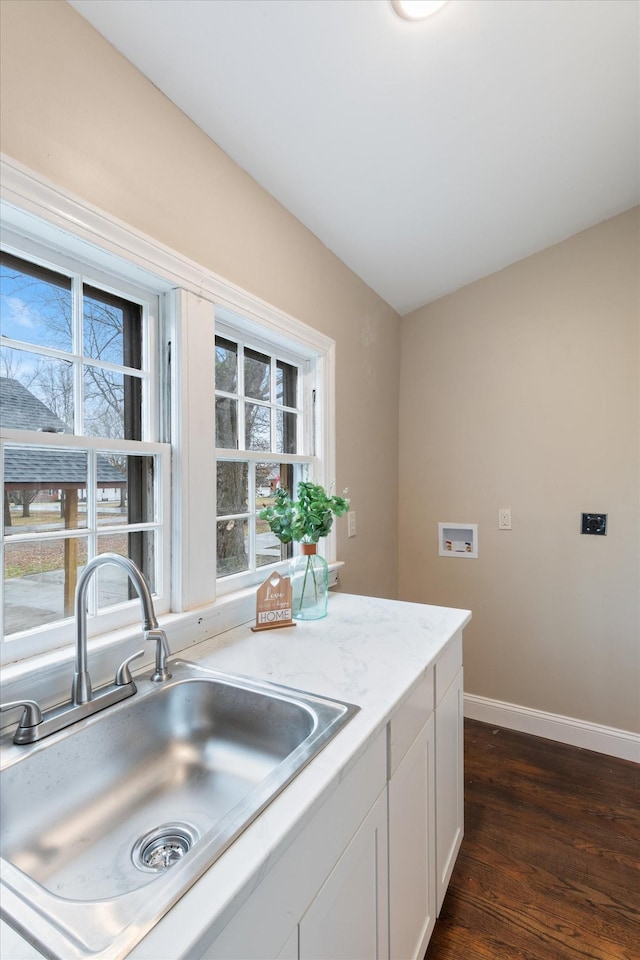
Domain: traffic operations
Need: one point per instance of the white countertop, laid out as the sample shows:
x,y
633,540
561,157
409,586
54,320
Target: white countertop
x,y
368,651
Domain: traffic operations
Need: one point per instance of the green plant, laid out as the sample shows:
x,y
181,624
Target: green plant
x,y
306,519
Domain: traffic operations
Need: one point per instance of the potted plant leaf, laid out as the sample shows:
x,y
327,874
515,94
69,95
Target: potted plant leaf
x,y
304,521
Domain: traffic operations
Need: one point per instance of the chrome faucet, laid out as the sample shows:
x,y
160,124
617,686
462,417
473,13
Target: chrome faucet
x,y
81,689
35,723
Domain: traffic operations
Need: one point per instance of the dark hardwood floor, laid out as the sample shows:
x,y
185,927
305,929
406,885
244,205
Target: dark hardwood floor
x,y
549,868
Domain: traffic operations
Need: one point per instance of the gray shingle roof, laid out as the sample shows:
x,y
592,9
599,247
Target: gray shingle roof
x,y
44,466
47,467
20,410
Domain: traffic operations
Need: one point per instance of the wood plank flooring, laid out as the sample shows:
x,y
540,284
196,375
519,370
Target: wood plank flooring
x,y
549,868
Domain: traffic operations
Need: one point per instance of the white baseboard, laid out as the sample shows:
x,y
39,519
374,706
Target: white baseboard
x,y
591,736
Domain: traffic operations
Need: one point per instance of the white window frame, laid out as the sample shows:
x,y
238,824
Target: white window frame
x,y
193,388
40,212
233,328
49,636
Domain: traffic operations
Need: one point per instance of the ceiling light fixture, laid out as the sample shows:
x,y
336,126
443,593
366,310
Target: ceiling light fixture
x,y
416,9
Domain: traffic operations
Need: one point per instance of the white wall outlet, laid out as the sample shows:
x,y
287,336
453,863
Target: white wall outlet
x,y
351,523
504,518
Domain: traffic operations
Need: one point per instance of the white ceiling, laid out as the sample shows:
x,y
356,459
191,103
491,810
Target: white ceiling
x,y
424,155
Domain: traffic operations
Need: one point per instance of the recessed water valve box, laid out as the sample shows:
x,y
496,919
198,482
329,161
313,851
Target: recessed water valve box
x,y
595,523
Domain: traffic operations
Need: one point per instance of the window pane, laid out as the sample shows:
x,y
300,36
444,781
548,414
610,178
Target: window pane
x,y
111,502
45,489
97,339
232,547
36,393
256,375
40,581
257,427
226,423
226,366
125,489
112,404
35,304
232,489
268,547
267,479
114,585
286,384
286,426
142,473
111,328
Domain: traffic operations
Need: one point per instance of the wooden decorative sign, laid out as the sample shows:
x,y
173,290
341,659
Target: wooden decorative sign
x,y
274,604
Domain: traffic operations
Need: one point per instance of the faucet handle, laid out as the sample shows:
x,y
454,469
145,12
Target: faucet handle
x,y
123,674
31,715
162,654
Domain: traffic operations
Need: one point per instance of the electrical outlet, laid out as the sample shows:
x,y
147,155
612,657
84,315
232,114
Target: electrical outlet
x,y
504,518
594,523
351,523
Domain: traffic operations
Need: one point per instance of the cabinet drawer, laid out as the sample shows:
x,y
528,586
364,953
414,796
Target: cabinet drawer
x,y
447,665
409,720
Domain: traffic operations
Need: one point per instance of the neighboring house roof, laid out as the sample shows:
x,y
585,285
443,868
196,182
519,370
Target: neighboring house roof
x,y
20,410
29,466
26,467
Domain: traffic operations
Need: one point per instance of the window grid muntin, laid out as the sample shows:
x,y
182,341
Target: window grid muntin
x,y
80,281
301,471
272,405
300,462
149,379
92,531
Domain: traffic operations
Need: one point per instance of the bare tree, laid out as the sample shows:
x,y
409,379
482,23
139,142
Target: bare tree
x,y
25,498
45,300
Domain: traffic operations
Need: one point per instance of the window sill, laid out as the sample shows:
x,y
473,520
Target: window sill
x,y
47,677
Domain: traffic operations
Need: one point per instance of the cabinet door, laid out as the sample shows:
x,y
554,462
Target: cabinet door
x,y
412,849
348,919
290,949
449,783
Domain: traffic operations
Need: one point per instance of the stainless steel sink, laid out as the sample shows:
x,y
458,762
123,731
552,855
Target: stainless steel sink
x,y
106,824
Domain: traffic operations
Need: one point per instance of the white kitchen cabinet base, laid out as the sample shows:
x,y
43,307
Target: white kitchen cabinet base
x,y
348,918
412,858
449,783
266,926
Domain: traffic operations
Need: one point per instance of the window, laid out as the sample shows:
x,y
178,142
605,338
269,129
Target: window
x,y
81,473
112,345
263,412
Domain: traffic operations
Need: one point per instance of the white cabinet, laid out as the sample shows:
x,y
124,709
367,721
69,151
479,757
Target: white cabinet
x,y
412,851
425,802
290,949
348,918
449,774
366,876
327,896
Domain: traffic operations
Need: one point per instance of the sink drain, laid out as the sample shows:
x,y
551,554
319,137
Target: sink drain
x,y
161,848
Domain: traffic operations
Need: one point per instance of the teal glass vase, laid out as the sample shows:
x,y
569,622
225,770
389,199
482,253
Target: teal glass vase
x,y
309,575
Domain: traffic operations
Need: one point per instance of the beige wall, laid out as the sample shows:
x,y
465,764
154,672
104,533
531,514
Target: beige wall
x,y
75,111
521,391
